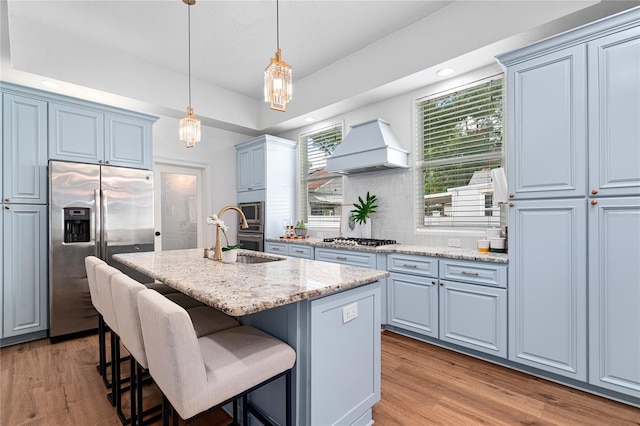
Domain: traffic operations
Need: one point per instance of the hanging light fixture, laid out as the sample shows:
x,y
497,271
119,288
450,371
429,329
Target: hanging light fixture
x,y
277,76
190,124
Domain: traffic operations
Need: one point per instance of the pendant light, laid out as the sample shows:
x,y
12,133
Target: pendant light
x,y
277,76
190,124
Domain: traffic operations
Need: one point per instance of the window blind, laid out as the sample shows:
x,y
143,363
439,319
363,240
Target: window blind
x,y
460,140
320,192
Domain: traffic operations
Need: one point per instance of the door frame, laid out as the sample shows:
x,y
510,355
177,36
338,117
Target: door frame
x,y
204,237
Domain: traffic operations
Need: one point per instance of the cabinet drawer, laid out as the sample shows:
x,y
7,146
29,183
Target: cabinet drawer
x,y
484,273
368,260
278,248
299,250
416,265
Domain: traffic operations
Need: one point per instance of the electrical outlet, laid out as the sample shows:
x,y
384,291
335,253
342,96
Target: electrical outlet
x,y
454,242
349,313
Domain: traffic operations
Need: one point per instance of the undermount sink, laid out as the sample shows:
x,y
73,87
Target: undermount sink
x,y
243,258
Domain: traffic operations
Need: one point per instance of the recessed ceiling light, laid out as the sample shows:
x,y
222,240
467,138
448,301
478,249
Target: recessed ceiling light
x,y
94,95
309,119
49,83
444,72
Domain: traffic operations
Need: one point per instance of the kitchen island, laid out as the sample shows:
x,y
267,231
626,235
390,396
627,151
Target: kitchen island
x,y
329,313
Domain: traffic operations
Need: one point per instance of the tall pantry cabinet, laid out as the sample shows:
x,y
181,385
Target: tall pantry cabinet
x,y
574,187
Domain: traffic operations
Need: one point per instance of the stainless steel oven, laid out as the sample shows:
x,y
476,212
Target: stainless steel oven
x,y
251,240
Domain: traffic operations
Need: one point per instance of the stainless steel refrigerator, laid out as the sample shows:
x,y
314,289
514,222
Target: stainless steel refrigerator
x,y
93,210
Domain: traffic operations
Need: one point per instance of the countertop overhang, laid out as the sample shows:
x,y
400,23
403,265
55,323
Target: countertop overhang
x,y
240,289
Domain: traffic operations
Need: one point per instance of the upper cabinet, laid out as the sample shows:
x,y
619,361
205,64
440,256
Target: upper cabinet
x,y
91,135
573,100
614,109
24,159
251,167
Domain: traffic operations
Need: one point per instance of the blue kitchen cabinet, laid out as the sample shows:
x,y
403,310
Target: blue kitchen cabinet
x,y
128,141
548,286
547,115
251,167
25,307
303,251
473,305
347,257
76,134
412,293
24,158
614,109
614,294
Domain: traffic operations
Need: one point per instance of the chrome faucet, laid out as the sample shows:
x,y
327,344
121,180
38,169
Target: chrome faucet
x,y
245,225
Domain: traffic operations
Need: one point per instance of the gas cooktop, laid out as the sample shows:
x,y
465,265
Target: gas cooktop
x,y
371,242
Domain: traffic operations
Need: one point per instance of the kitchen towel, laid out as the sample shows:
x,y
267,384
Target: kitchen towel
x,y
499,185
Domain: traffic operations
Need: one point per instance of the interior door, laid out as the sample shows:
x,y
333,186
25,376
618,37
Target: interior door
x,y
178,208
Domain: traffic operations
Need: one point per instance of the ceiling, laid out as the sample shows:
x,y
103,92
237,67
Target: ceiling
x,y
345,54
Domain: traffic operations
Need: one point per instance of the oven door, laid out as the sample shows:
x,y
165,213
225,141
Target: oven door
x,y
253,242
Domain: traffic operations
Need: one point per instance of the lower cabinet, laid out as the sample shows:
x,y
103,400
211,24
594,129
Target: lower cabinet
x,y
303,251
24,293
614,295
412,303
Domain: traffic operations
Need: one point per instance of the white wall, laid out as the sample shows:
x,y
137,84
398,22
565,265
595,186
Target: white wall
x,y
397,207
216,154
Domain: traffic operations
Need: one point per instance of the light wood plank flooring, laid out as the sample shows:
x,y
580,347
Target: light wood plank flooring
x,y
422,384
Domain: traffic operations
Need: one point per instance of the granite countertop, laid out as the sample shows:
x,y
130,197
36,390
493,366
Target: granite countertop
x,y
435,251
239,289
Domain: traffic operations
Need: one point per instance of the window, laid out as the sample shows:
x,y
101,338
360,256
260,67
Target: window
x,y
320,192
460,140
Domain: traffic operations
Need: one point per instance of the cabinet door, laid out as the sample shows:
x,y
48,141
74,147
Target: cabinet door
x,y
547,286
614,109
614,294
25,269
258,168
546,135
276,248
24,167
76,134
301,250
413,303
474,316
128,142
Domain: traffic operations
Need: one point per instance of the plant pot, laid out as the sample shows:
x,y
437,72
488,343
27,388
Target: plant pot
x,y
229,256
300,232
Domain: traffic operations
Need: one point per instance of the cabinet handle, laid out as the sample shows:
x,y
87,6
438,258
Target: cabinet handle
x,y
594,202
275,248
249,189
511,195
7,207
441,284
299,251
433,282
7,199
473,274
511,204
99,161
594,191
107,162
341,258
408,265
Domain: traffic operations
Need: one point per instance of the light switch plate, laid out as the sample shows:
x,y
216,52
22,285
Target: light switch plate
x,y
454,242
349,313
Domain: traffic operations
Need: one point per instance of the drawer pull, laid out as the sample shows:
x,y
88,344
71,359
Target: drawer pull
x,y
341,258
473,274
408,265
275,248
299,251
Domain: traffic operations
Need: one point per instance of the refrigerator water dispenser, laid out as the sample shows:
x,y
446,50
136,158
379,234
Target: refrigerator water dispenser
x,y
77,225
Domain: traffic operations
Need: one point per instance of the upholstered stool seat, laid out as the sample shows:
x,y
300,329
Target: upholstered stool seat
x,y
198,374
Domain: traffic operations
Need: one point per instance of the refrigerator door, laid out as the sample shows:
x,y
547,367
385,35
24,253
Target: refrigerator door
x,y
73,234
127,215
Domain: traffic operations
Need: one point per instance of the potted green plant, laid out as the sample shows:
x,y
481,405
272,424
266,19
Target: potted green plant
x,y
361,212
230,251
300,229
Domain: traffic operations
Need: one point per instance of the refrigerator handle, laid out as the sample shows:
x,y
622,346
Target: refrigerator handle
x,y
103,221
96,222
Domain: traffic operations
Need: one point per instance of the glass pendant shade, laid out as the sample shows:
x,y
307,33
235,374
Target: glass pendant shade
x,y
190,128
278,83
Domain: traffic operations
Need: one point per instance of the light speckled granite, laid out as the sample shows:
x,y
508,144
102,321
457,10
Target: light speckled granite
x,y
449,252
239,289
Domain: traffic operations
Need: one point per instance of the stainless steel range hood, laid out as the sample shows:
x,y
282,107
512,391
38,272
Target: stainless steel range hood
x,y
368,147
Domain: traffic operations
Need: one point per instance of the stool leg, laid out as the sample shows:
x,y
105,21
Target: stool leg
x,y
132,390
139,393
102,351
245,410
112,395
165,411
288,398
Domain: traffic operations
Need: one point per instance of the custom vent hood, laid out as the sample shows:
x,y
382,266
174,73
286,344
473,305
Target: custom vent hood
x,y
368,147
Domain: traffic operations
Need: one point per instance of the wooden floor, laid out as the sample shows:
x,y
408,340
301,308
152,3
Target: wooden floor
x,y
422,384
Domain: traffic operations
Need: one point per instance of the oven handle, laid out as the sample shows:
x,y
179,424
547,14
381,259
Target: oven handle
x,y
250,236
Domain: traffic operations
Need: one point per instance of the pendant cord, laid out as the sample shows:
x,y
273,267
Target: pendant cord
x,y
189,49
277,25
